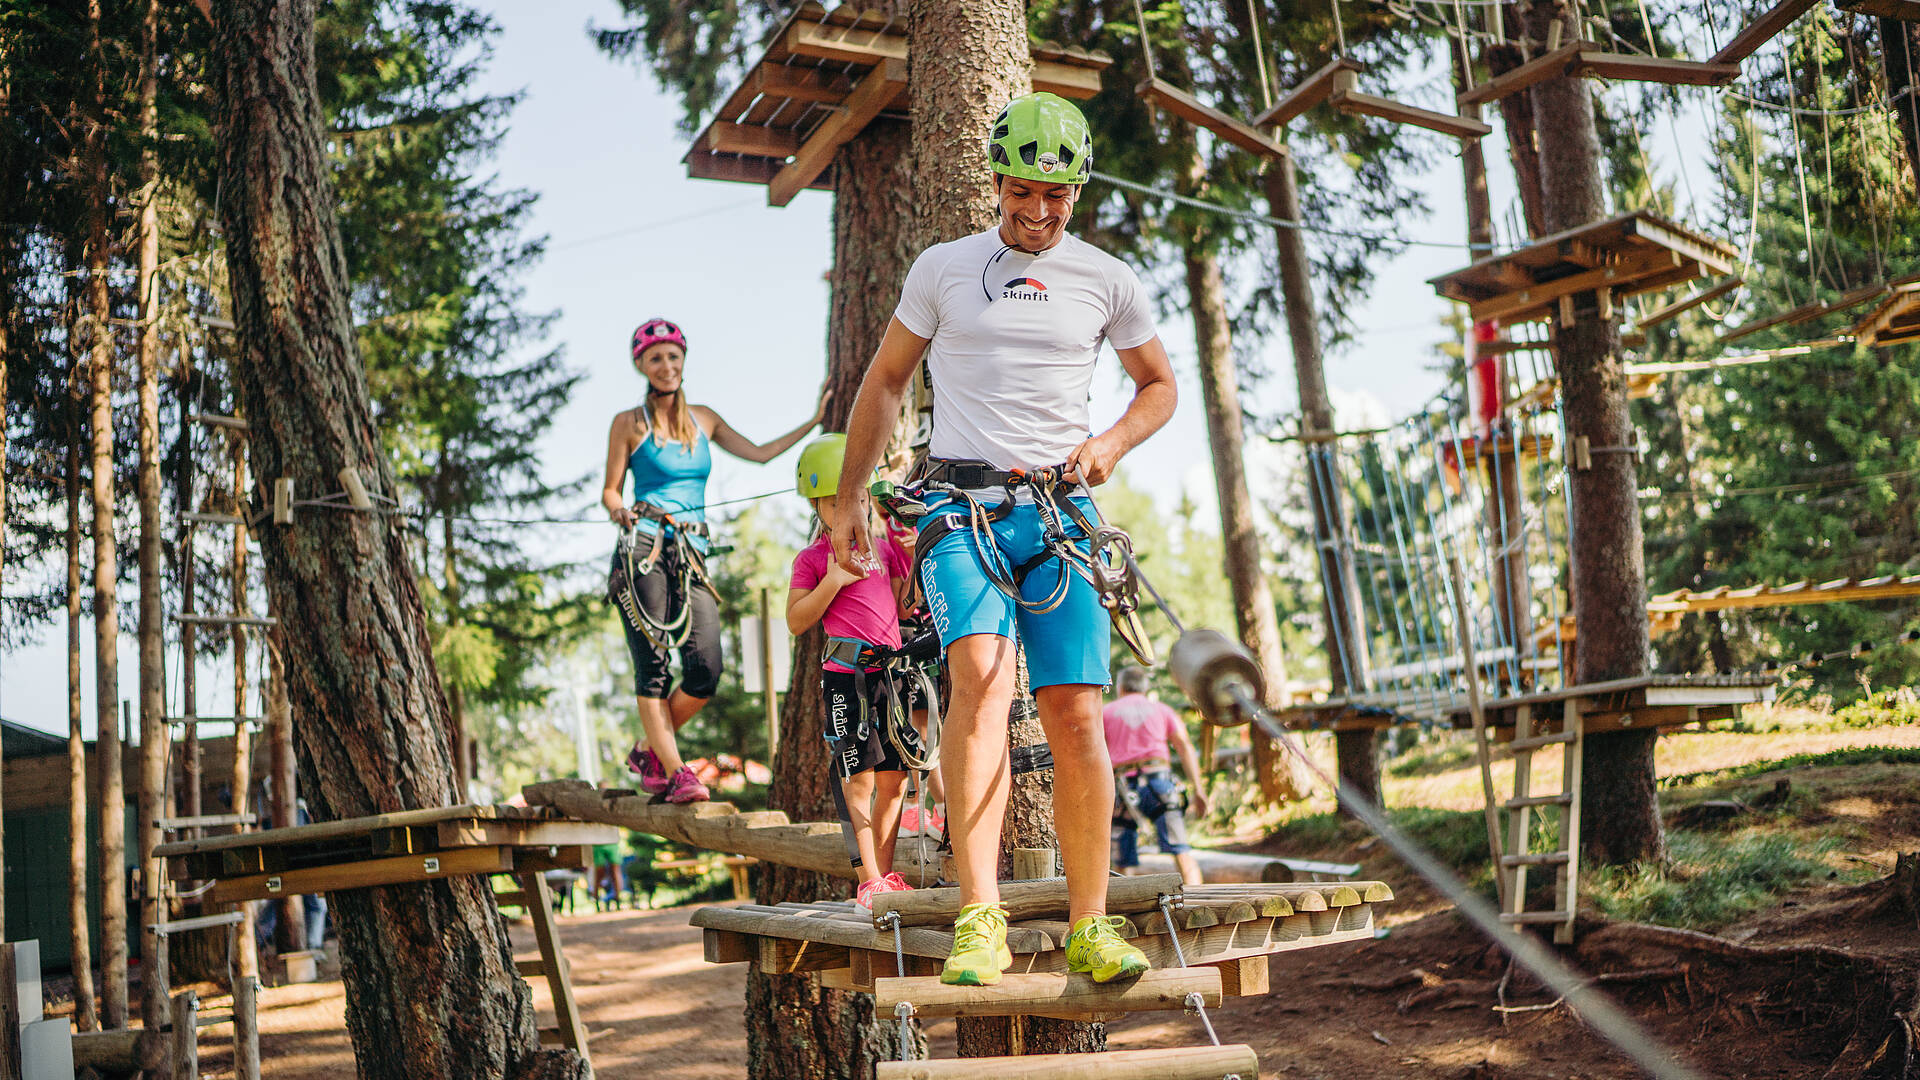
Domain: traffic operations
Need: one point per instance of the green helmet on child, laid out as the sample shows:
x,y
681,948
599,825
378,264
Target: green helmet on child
x,y
1041,137
818,473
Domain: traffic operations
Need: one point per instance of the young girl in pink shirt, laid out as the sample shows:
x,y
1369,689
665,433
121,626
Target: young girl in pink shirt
x,y
860,614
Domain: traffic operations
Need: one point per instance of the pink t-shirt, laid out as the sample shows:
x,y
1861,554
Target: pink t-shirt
x,y
1138,728
863,609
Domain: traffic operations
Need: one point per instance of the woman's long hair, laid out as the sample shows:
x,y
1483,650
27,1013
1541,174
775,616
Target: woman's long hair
x,y
669,418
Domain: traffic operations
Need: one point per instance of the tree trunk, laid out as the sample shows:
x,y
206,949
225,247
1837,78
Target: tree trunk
x,y
1620,812
284,807
106,570
1355,752
1517,111
965,61
1253,613
794,1026
431,988
155,982
1897,57
186,568
86,1015
246,947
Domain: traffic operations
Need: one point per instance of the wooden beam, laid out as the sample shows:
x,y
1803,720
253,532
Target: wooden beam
x,y
1024,899
726,947
876,88
1199,113
351,828
817,85
1248,976
744,170
1666,312
750,139
1460,127
524,833
780,956
1762,30
1026,995
1660,69
1336,75
359,875
844,44
1508,305
1176,1063
1067,80
1904,10
1539,69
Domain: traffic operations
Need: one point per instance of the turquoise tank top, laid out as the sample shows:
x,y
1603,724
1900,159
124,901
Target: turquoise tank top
x,y
672,478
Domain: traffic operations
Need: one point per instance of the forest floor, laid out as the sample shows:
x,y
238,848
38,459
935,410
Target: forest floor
x,y
1814,953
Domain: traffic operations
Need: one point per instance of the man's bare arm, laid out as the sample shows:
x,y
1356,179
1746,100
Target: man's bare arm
x,y
874,412
1154,397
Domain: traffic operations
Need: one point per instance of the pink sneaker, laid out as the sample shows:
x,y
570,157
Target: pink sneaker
x,y
863,898
910,821
684,787
653,775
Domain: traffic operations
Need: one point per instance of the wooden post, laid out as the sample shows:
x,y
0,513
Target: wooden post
x,y
767,695
246,1018
9,1015
86,1015
1478,713
1032,864
186,1036
286,792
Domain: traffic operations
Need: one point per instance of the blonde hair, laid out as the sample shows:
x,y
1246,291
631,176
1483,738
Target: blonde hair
x,y
677,425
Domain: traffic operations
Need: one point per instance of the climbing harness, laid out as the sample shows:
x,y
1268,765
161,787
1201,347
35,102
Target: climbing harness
x,y
671,628
912,668
1100,554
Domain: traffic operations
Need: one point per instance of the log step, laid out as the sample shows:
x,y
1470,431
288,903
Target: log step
x,y
1049,994
1174,1063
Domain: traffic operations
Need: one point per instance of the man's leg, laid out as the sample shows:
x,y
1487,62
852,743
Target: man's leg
x,y
1082,792
973,757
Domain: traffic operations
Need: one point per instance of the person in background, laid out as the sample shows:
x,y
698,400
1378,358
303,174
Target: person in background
x,y
608,883
1141,733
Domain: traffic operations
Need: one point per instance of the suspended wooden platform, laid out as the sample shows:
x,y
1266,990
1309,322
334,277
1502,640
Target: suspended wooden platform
x,y
826,75
408,847
1665,610
1896,319
1761,30
1334,85
1647,701
1904,10
1591,59
1226,932
1621,256
1200,114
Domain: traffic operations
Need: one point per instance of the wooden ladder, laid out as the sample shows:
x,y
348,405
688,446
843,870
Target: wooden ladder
x,y
536,899
1519,857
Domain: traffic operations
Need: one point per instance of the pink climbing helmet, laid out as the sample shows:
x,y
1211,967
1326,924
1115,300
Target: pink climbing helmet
x,y
654,332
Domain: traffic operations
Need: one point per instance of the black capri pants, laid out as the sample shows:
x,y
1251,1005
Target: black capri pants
x,y
699,656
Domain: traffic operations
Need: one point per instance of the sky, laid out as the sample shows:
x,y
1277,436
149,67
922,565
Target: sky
x,y
630,237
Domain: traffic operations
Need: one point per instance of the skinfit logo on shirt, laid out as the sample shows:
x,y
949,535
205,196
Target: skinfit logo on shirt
x,y
1024,288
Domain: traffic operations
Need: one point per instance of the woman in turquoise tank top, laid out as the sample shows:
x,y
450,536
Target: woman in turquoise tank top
x,y
665,445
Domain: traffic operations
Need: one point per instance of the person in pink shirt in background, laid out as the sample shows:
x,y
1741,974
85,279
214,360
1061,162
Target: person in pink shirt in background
x,y
859,613
1141,735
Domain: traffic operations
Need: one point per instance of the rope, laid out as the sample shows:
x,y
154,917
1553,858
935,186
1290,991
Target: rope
x,y
1278,223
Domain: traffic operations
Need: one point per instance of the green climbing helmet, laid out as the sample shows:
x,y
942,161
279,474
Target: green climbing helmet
x,y
1041,137
818,473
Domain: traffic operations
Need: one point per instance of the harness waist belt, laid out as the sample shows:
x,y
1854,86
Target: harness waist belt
x,y
655,514
1147,766
968,475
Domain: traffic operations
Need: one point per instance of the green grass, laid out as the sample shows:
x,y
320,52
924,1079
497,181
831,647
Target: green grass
x,y
1858,755
1431,761
1711,879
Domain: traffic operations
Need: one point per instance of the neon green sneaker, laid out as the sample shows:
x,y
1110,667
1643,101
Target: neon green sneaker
x,y
980,950
1096,947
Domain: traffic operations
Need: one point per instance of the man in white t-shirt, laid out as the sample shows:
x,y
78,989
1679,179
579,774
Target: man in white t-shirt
x,y
1010,323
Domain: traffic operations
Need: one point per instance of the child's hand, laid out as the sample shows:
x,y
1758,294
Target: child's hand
x,y
839,577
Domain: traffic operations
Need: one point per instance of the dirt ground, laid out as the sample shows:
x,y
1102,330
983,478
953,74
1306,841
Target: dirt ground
x,y
1777,995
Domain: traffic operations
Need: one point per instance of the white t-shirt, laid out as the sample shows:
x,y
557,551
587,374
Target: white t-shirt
x,y
1014,339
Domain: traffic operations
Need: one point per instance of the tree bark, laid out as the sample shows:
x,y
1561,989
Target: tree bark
x,y
156,1005
431,988
1897,57
1355,752
794,1026
106,570
86,1015
1619,807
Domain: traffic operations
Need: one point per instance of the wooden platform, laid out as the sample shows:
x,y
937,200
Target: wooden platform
x,y
1895,320
1232,928
1335,85
384,849
1592,59
826,75
1657,701
1621,256
1666,609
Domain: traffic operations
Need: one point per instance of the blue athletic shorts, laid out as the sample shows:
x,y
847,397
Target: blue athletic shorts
x,y
1068,645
